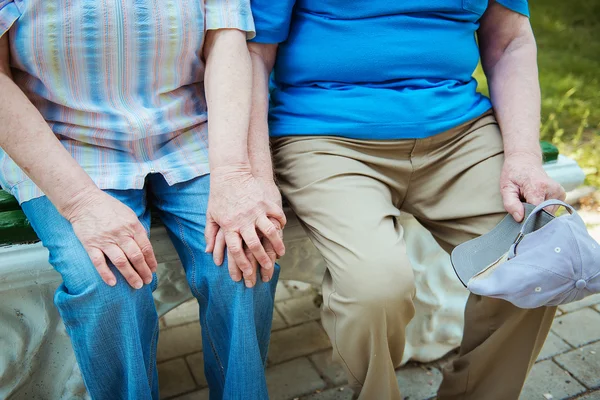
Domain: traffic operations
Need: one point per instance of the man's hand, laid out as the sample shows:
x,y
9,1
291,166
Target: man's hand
x,y
509,59
108,228
524,178
239,214
274,194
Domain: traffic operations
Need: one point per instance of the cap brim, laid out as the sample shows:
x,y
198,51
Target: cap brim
x,y
470,258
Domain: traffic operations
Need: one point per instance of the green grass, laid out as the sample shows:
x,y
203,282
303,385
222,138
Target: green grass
x,y
568,37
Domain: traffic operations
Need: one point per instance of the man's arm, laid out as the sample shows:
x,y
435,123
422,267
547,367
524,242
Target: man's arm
x,y
104,226
238,204
263,60
509,59
273,21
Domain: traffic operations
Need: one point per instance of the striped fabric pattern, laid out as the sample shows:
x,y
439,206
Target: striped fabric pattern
x,y
120,82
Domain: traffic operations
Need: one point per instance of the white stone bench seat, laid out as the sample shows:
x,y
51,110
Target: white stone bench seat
x,y
36,359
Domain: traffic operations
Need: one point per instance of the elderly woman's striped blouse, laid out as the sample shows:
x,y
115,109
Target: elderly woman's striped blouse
x,y
120,82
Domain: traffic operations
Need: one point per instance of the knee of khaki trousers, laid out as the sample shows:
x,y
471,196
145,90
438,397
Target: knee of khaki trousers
x,y
368,302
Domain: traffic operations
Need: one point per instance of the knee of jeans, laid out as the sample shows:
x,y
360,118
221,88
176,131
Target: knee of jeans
x,y
92,288
114,307
380,282
83,290
211,282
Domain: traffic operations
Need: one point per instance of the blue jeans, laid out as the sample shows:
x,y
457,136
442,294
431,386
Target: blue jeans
x,y
114,330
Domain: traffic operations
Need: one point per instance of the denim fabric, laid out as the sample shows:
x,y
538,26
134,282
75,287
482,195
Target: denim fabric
x,y
114,330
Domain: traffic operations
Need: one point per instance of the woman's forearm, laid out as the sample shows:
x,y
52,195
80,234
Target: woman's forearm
x,y
228,83
27,139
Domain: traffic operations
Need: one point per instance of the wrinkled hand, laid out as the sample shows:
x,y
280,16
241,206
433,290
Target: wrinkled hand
x,y
524,178
249,275
240,213
273,193
109,229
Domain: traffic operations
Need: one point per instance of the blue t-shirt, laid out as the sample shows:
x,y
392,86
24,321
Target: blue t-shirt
x,y
373,69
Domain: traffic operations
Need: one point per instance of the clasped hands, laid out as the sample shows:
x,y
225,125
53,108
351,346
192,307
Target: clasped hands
x,y
245,219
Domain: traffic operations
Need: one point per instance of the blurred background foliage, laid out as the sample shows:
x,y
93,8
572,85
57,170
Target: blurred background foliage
x,y
568,38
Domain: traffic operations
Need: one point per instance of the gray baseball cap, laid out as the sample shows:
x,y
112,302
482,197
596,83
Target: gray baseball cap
x,y
542,261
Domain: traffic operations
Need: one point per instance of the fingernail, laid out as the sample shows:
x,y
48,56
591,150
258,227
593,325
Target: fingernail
x,y
148,281
266,279
138,285
112,282
249,283
236,278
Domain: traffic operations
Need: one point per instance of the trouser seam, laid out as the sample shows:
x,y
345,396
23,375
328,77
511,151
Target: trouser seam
x,y
412,171
152,362
197,294
335,337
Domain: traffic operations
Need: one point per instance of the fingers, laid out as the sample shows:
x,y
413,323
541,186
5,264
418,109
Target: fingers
x,y
234,272
535,196
99,261
219,248
543,189
250,274
210,233
555,191
534,190
267,274
236,250
137,260
512,202
255,247
118,258
271,231
562,195
142,241
274,211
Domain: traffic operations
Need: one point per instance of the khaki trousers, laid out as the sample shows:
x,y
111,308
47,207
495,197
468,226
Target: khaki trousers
x,y
348,194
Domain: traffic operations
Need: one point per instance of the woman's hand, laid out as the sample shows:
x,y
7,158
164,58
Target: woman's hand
x,y
109,229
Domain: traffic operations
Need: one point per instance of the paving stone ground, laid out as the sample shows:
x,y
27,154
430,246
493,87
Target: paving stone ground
x,y
300,366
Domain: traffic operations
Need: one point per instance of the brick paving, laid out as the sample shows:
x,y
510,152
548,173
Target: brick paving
x,y
300,366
